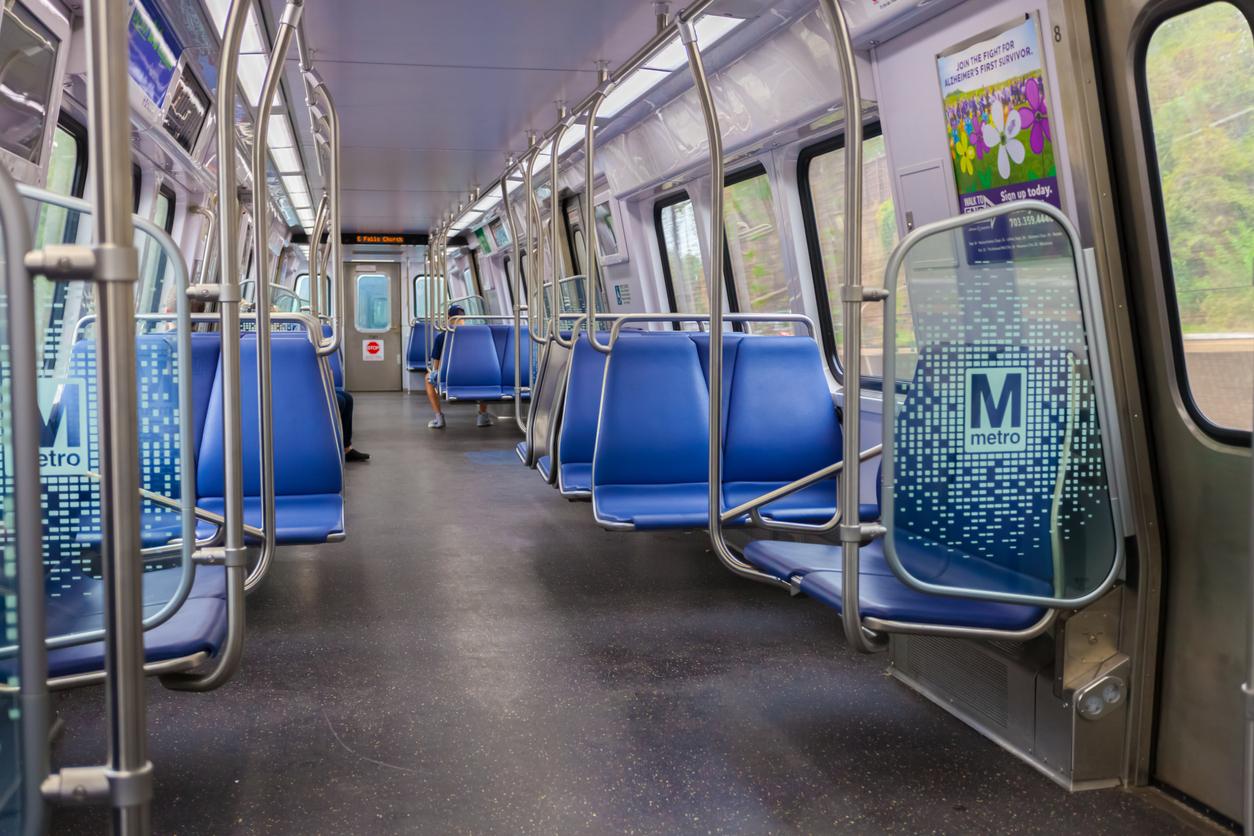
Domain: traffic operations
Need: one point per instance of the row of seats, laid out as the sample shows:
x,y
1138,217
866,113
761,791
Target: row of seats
x,y
632,434
308,473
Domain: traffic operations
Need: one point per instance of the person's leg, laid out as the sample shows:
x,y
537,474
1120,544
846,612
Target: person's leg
x,y
484,419
433,397
345,401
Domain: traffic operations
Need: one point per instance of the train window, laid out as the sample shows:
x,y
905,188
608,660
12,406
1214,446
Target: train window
x,y
67,175
676,223
1202,136
754,252
373,303
420,296
152,262
30,51
821,176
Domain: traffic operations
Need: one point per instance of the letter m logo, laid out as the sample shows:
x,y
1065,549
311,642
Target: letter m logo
x,y
63,426
995,410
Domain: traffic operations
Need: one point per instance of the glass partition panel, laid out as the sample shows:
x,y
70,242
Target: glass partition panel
x,y
11,755
69,449
374,303
995,467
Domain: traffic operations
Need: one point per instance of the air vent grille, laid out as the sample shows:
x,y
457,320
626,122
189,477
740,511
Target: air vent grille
x,y
972,680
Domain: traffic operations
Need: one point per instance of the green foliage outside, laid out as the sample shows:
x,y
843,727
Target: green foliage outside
x,y
1200,77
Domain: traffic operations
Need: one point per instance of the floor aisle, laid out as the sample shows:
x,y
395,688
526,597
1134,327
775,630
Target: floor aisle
x,y
479,657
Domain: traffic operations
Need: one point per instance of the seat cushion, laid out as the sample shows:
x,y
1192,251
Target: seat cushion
x,y
811,505
653,506
474,393
198,626
575,478
521,449
299,520
544,464
882,595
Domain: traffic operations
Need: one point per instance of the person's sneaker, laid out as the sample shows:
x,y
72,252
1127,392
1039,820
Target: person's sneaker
x,y
436,423
354,455
484,420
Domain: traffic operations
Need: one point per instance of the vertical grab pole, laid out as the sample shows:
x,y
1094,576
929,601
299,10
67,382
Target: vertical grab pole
x,y
315,268
117,270
524,424
558,273
714,136
261,249
589,177
28,510
235,555
852,295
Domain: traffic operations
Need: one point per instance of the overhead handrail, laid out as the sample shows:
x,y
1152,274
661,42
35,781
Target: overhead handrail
x,y
23,465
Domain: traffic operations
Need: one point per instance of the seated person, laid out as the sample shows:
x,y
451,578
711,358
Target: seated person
x,y
437,349
345,401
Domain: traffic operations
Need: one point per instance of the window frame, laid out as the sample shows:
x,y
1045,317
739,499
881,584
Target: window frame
x,y
357,308
78,131
814,250
1170,299
729,279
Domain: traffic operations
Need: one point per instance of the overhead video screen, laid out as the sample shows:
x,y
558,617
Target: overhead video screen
x,y
154,51
189,107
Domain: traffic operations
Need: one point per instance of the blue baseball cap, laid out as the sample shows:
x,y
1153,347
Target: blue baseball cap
x,y
456,310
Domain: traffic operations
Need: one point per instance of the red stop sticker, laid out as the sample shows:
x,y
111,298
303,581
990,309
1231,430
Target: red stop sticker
x,y
372,350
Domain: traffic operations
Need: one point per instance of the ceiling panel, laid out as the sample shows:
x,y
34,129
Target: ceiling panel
x,y
433,95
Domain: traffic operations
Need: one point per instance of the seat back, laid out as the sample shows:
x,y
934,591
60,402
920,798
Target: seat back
x,y
981,445
581,410
545,415
473,358
781,422
206,352
504,337
652,427
335,360
731,349
416,351
307,455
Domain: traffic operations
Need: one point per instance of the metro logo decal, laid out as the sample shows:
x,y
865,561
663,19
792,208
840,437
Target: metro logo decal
x,y
996,413
63,426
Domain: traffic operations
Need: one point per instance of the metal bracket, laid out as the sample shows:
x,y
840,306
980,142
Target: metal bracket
x,y
99,785
213,293
73,262
862,293
209,557
235,557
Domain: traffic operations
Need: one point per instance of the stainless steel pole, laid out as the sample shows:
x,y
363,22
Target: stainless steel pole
x,y
589,174
261,246
852,296
117,270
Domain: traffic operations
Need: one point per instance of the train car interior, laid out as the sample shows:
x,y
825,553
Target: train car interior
x,y
627,416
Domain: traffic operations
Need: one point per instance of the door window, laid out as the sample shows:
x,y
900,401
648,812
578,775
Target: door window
x,y
1199,84
373,303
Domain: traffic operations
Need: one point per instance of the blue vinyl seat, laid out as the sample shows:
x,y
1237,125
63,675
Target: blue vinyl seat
x,y
581,412
335,359
503,335
781,425
976,519
416,350
198,626
649,469
308,459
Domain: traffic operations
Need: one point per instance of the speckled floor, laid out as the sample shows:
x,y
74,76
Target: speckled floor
x,y
479,657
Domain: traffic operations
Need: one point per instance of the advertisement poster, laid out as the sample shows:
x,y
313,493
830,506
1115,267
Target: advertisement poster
x,y
997,113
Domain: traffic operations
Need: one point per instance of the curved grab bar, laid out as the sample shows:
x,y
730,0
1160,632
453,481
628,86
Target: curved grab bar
x,y
261,249
701,83
234,551
589,189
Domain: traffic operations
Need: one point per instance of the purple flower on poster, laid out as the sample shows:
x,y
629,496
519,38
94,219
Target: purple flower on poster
x,y
1035,117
